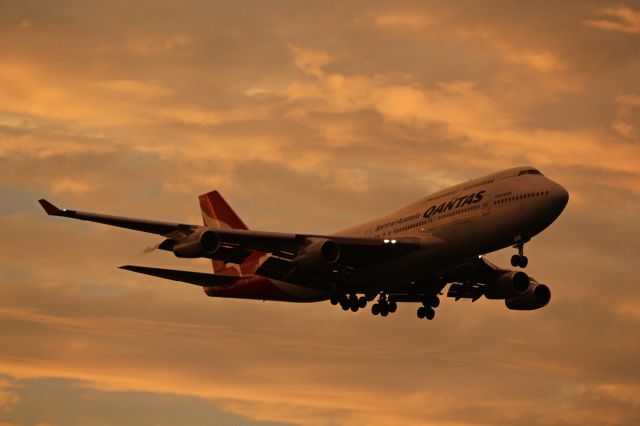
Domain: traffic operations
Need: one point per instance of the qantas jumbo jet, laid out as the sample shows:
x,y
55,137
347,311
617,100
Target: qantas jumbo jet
x,y
410,255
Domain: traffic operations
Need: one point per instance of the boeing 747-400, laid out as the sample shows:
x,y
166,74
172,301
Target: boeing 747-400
x,y
411,255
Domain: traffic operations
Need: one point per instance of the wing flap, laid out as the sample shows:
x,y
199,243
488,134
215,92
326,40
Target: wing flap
x,y
195,278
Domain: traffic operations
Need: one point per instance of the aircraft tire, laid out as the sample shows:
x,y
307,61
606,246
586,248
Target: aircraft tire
x,y
354,308
375,309
392,307
523,262
363,302
430,313
334,300
515,260
433,301
422,312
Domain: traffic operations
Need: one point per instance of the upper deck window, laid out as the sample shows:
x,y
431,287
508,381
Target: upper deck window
x,y
529,172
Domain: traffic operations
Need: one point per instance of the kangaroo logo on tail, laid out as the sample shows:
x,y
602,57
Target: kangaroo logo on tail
x,y
216,213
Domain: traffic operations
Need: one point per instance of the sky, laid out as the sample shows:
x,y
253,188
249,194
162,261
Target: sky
x,y
312,117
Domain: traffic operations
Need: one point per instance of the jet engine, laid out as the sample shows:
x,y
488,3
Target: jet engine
x,y
507,285
537,296
318,254
199,244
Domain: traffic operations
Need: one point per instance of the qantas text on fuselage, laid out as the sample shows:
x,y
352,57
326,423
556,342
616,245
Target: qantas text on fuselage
x,y
411,255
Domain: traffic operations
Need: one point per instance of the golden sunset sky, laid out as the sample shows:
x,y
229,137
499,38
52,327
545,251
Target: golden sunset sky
x,y
311,117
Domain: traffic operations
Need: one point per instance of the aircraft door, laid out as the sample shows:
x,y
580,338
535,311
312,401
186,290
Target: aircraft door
x,y
487,203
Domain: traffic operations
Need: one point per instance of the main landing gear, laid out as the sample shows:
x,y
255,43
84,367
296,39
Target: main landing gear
x,y
519,260
383,306
351,301
427,310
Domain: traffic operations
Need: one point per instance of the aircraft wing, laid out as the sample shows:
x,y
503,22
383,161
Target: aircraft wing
x,y
168,229
470,279
236,245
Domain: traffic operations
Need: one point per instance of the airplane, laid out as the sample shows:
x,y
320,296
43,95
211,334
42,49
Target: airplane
x,y
410,255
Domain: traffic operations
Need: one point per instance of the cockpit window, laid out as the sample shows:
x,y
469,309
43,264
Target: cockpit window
x,y
529,172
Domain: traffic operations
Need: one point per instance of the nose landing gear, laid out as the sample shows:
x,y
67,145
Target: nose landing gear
x,y
519,260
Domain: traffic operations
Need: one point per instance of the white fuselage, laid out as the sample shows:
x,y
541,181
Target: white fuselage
x,y
466,220
454,225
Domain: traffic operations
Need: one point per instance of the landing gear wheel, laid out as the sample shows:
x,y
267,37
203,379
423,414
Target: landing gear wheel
x,y
334,300
345,304
384,305
519,261
354,303
433,301
430,313
362,302
422,312
392,306
375,309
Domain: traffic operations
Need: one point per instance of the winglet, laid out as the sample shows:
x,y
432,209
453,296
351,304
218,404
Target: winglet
x,y
50,208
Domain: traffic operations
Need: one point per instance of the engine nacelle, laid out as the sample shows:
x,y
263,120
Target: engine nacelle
x,y
536,297
508,285
200,244
318,254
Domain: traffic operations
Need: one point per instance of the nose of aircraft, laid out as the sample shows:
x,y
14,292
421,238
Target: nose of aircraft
x,y
560,197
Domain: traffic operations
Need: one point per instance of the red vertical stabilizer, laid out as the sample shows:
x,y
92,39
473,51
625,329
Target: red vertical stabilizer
x,y
216,213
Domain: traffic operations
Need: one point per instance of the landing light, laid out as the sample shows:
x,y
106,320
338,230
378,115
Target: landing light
x,y
386,241
393,241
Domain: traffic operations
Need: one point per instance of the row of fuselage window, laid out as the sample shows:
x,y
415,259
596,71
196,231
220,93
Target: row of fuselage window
x,y
520,197
448,194
468,209
475,185
424,222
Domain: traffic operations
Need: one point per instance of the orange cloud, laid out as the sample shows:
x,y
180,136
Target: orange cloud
x,y
8,397
628,116
403,21
621,18
305,132
150,46
310,61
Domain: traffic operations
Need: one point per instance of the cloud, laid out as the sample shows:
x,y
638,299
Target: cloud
x,y
8,396
403,21
133,88
460,110
312,119
620,18
310,61
151,46
628,116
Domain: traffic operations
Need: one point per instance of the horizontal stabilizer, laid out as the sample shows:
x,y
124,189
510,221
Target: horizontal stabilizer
x,y
196,278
